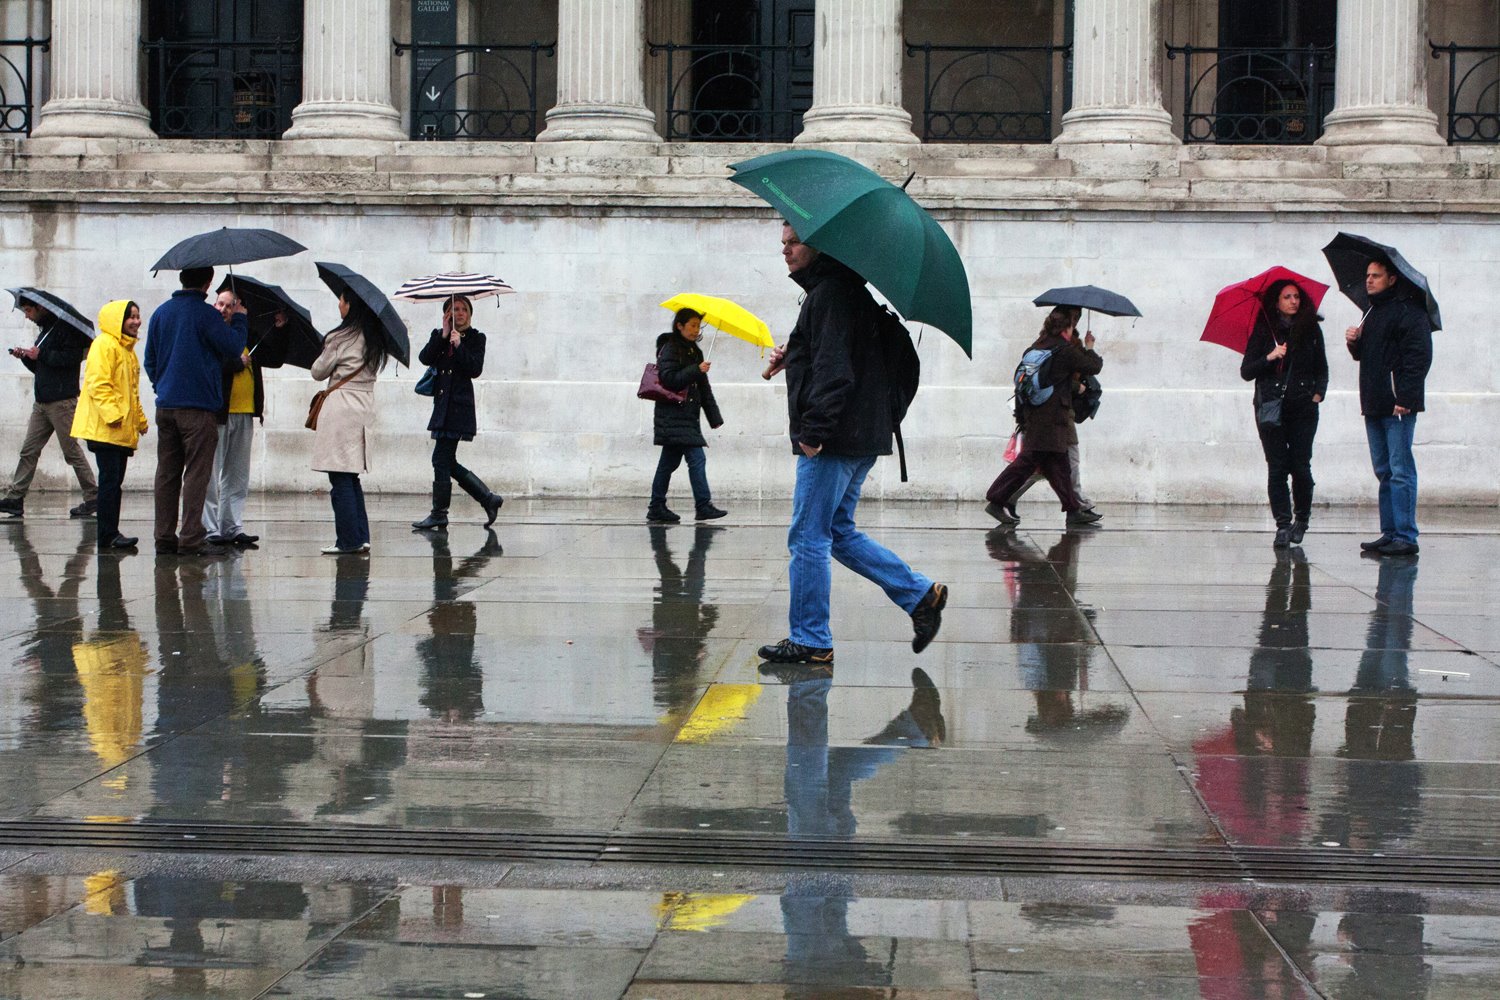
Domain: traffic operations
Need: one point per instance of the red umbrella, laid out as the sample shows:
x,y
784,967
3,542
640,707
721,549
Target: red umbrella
x,y
1237,306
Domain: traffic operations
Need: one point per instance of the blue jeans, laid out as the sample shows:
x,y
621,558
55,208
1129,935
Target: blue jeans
x,y
823,505
671,457
1390,453
350,524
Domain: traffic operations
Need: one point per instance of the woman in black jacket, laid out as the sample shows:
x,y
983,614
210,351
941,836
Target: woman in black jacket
x,y
680,367
456,351
1286,360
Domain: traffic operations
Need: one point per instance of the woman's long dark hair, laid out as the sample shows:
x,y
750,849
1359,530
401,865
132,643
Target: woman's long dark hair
x,y
362,317
1304,322
1059,319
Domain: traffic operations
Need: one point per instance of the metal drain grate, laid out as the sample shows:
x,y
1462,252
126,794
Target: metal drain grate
x,y
917,857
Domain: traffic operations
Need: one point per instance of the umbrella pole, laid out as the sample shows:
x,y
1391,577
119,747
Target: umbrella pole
x,y
711,342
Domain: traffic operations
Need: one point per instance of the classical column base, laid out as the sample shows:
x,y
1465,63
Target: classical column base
x,y
856,123
345,120
1381,126
599,122
1111,126
82,118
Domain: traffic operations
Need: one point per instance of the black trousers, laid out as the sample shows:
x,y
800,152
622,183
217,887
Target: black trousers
x,y
1288,449
445,460
111,460
1052,464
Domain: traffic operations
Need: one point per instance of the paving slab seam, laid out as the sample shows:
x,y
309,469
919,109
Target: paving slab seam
x,y
344,928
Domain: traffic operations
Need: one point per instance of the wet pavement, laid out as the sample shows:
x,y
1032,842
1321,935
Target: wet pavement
x,y
1166,684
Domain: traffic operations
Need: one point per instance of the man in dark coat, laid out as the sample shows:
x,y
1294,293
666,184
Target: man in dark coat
x,y
839,412
1048,429
1394,349
54,360
187,344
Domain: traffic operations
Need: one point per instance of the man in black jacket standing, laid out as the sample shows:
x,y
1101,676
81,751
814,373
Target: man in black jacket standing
x,y
54,360
839,409
1394,349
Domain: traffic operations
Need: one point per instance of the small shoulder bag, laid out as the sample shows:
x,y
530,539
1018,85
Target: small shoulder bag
x,y
1268,411
316,405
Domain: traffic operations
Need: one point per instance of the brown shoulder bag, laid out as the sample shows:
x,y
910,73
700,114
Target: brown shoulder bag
x,y
316,405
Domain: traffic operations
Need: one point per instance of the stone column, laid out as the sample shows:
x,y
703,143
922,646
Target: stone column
x,y
1117,56
346,72
857,48
96,72
1380,79
600,90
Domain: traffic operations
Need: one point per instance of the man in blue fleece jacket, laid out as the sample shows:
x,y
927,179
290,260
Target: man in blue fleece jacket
x,y
187,343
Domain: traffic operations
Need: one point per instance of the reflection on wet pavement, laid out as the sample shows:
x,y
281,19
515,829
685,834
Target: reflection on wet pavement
x,y
1164,684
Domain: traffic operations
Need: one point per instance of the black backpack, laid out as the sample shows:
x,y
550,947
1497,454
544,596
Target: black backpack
x,y
903,369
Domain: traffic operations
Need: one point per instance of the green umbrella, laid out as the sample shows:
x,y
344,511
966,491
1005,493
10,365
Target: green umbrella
x,y
846,210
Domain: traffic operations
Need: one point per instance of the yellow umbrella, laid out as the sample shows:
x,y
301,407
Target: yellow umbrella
x,y
722,314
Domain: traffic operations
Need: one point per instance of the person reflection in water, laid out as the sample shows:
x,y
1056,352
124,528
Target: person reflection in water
x,y
452,681
819,789
681,622
112,667
1264,802
47,652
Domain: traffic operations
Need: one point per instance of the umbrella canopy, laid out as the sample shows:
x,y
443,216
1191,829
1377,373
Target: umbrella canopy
x,y
1088,297
263,302
722,314
54,305
846,210
227,246
343,281
1349,255
1237,306
436,287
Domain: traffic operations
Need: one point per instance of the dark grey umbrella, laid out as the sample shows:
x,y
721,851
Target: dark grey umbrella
x,y
54,305
1088,297
342,280
227,246
1349,255
263,302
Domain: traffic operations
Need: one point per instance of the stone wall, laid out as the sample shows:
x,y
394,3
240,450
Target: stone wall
x,y
594,236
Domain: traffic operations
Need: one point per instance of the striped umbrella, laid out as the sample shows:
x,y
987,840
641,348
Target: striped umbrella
x,y
436,287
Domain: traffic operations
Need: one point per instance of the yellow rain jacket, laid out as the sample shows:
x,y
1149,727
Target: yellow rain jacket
x,y
109,409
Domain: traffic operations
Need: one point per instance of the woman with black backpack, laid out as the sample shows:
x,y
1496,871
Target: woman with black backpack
x,y
1286,361
681,367
1044,412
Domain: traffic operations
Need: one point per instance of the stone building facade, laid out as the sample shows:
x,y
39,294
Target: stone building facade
x,y
579,149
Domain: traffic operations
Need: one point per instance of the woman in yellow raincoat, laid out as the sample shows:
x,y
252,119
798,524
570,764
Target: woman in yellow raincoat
x,y
109,419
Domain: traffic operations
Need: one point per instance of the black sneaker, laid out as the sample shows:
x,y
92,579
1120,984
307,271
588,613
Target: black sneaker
x,y
86,509
710,513
787,651
1396,547
1299,531
928,618
1003,512
1283,537
1374,545
1081,518
13,507
660,515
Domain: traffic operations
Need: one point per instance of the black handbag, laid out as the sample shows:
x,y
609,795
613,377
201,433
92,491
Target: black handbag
x,y
1268,411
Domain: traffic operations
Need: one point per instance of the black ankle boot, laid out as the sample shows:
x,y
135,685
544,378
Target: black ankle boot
x,y
1299,529
474,486
442,495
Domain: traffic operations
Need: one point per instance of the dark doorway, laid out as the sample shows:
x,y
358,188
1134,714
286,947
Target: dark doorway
x,y
747,76
224,68
1277,83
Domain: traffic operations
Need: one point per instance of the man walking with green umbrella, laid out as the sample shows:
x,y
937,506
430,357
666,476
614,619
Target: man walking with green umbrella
x,y
839,409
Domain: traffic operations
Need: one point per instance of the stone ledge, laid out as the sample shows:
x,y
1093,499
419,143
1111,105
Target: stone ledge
x,y
673,176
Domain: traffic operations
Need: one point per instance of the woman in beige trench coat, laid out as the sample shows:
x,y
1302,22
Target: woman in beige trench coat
x,y
352,355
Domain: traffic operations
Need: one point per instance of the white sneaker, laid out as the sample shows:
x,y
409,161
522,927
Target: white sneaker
x,y
365,547
334,550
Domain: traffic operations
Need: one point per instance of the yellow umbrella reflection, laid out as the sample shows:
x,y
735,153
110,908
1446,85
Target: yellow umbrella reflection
x,y
722,314
722,707
696,911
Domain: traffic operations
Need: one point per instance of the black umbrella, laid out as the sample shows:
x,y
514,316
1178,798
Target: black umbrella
x,y
227,246
54,305
263,302
1349,255
341,280
1088,297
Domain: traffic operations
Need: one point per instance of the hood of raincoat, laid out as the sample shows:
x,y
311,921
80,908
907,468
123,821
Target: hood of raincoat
x,y
111,322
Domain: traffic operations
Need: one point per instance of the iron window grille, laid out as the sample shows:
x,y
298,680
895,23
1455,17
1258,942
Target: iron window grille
x,y
1271,96
1473,91
991,93
18,69
475,91
731,93
224,90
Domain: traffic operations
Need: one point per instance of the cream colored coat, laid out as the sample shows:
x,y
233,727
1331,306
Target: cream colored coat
x,y
342,440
